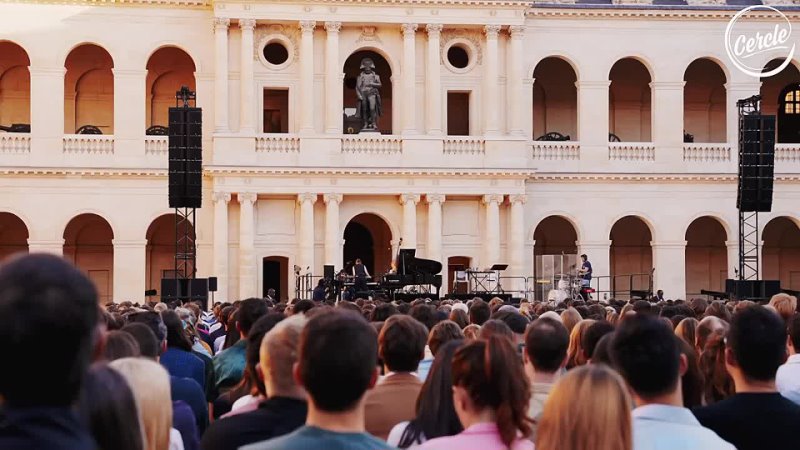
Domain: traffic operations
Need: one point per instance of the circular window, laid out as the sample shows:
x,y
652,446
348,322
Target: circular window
x,y
276,53
458,57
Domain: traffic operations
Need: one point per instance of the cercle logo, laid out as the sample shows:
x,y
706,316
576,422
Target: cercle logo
x,y
749,44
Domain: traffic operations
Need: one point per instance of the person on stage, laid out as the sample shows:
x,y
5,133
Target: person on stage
x,y
361,275
586,271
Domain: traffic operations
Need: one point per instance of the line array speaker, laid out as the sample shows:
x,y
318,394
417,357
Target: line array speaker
x,y
185,157
756,163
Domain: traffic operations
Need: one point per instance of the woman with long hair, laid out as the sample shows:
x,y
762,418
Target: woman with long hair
x,y
108,406
570,317
436,414
718,382
589,409
490,396
179,360
686,330
691,381
575,356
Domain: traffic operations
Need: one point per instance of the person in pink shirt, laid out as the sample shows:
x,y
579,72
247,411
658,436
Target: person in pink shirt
x,y
491,394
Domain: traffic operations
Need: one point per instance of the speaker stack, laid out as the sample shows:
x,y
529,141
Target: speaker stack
x,y
756,163
185,157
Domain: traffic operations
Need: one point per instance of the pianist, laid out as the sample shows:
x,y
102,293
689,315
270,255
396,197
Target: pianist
x,y
361,274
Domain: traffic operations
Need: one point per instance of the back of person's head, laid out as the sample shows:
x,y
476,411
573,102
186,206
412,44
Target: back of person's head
x,y
646,354
552,315
338,360
546,343
705,328
145,339
442,333
570,317
479,312
472,331
176,336
249,311
717,382
48,328
589,408
108,406
278,353
686,330
488,374
424,314
642,307
785,304
757,340
575,353
303,306
698,305
382,312
401,343
516,321
494,327
602,351
459,317
149,382
253,350
718,309
120,344
592,336
794,332
153,321
692,380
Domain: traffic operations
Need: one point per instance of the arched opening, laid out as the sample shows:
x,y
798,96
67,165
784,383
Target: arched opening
x,y
160,251
779,97
704,102
706,256
15,86
629,101
352,68
13,235
781,254
368,237
631,256
456,273
168,69
554,253
555,99
275,271
89,90
88,243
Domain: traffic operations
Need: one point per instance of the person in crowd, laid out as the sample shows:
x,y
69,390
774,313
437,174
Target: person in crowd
x,y
424,314
107,404
382,312
443,332
435,412
284,409
602,351
757,417
401,346
48,333
336,383
589,409
592,336
698,305
692,383
686,330
785,304
717,384
479,312
229,364
178,358
545,356
787,379
647,354
232,333
120,345
217,335
575,354
303,306
490,395
460,317
189,322
515,321
494,327
318,295
718,309
472,331
705,328
570,317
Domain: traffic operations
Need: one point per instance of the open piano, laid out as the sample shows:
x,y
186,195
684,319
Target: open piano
x,y
424,274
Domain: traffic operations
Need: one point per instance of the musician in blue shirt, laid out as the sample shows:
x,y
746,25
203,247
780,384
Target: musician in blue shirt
x,y
586,271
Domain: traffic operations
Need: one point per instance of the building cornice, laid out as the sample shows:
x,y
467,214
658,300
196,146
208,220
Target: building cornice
x,y
182,4
543,177
368,171
721,12
82,172
505,4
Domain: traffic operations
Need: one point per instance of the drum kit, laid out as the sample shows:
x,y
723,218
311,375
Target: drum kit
x,y
568,287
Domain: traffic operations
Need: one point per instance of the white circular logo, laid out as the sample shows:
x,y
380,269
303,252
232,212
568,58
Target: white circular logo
x,y
747,45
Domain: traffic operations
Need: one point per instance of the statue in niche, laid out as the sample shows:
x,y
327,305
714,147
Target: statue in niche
x,y
368,92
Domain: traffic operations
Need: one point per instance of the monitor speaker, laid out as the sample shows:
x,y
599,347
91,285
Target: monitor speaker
x,y
328,272
212,284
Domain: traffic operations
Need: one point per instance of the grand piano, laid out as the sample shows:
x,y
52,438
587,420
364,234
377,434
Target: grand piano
x,y
424,274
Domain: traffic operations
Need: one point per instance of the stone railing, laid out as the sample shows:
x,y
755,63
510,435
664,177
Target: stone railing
x,y
15,143
277,143
556,150
90,144
631,151
787,153
706,152
156,145
463,145
377,144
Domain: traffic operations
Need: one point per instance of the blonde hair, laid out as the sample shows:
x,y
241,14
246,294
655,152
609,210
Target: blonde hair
x,y
149,382
278,354
589,408
784,304
686,330
575,355
471,331
570,317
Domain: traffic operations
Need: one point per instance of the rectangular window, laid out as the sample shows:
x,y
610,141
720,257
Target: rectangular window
x,y
276,111
458,113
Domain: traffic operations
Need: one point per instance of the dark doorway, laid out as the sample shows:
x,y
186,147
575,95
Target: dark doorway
x,y
276,276
276,110
789,115
458,113
368,237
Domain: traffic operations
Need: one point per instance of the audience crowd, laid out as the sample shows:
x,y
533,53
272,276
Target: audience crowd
x,y
258,374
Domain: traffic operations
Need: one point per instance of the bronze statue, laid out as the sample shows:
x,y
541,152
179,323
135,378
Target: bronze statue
x,y
369,96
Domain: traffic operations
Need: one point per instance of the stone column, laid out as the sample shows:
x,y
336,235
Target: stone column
x,y
514,75
307,76
433,80
221,124
221,200
333,80
306,235
247,266
332,232
732,247
669,262
130,266
599,253
51,246
736,91
491,241
409,236
47,107
593,119
516,239
129,111
409,81
246,116
491,80
667,120
434,226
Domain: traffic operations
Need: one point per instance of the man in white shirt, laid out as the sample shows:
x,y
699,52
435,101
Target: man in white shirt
x,y
788,378
646,353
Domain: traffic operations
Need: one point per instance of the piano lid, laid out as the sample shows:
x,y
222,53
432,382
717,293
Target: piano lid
x,y
407,263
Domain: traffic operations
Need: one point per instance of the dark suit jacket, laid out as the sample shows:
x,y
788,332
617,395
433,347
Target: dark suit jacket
x,y
393,400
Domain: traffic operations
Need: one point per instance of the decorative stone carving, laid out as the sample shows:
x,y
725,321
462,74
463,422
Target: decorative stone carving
x,y
288,36
369,34
408,29
434,30
473,37
247,24
333,27
307,26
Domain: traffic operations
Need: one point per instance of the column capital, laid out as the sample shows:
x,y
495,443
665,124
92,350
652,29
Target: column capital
x,y
518,198
307,26
307,197
247,24
668,85
408,198
332,198
491,31
333,27
128,73
435,198
409,29
668,244
129,243
516,31
45,242
488,199
594,244
730,244
743,85
592,84
434,29
247,197
221,23
221,197
46,71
